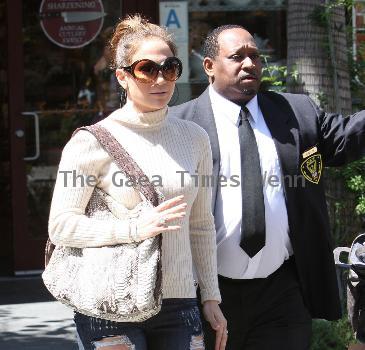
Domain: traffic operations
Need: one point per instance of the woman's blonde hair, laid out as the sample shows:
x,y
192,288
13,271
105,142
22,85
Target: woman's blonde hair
x,y
128,35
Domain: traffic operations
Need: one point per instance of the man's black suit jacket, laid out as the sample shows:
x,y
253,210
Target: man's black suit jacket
x,y
297,126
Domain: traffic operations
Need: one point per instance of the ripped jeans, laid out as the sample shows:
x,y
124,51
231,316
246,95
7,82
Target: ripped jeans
x,y
176,327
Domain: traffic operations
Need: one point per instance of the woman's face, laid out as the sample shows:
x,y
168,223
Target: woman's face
x,y
148,97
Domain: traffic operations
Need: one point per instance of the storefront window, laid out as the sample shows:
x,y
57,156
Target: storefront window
x,y
65,87
64,78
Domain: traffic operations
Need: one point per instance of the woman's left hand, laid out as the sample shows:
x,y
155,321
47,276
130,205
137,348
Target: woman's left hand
x,y
214,316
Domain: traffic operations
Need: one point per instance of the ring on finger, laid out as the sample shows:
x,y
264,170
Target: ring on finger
x,y
162,222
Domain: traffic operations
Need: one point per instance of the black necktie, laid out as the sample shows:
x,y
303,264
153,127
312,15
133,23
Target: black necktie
x,y
253,207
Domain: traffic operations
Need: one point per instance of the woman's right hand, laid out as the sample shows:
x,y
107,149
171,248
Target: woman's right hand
x,y
157,220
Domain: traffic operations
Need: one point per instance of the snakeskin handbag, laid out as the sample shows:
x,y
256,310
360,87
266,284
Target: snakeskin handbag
x,y
120,283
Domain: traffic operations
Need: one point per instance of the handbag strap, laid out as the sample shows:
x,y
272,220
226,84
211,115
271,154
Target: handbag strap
x,y
125,162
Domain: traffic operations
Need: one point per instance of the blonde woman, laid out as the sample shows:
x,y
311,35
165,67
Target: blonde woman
x,y
169,151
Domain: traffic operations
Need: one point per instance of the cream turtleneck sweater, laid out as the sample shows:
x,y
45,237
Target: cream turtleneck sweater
x,y
164,148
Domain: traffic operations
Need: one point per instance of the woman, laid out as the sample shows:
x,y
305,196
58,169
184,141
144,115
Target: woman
x,y
168,151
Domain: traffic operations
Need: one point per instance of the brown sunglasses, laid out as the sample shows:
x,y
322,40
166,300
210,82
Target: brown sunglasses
x,y
146,71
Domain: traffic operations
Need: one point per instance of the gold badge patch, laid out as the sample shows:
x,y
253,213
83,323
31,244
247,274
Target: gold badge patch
x,y
310,151
311,168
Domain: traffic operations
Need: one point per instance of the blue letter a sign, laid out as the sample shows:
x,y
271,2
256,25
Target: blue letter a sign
x,y
172,19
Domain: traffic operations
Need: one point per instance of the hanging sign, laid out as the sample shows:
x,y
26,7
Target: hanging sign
x,y
71,23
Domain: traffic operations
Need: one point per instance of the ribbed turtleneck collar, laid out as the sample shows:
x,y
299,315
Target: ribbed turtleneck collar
x,y
133,119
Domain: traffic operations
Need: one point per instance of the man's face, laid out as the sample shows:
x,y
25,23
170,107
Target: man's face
x,y
236,70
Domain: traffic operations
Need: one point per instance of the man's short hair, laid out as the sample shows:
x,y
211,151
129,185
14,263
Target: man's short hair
x,y
210,45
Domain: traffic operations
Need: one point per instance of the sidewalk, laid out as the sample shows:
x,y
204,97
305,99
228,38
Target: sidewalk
x,y
31,319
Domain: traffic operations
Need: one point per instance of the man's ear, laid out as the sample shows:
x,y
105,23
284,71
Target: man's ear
x,y
121,76
208,64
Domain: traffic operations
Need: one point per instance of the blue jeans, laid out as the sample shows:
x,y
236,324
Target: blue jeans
x,y
176,327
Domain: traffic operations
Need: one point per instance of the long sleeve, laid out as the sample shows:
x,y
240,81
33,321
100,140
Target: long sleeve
x,y
163,148
202,229
342,138
82,161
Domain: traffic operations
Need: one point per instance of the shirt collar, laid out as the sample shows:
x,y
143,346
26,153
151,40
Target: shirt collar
x,y
253,107
222,106
230,109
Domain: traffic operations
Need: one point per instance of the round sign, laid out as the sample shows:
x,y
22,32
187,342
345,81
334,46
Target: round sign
x,y
71,23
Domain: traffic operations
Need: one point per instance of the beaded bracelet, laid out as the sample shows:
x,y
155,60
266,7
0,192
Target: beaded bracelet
x,y
133,233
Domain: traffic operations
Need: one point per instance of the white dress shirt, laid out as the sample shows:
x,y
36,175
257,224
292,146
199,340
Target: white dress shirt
x,y
233,262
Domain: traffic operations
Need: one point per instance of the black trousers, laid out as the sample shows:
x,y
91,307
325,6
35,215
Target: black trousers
x,y
264,314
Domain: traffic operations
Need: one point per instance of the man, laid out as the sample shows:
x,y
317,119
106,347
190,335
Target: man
x,y
275,261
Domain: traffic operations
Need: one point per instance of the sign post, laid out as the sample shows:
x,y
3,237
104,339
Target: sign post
x,y
174,16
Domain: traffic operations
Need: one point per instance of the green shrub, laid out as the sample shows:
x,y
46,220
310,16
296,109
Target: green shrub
x,y
336,335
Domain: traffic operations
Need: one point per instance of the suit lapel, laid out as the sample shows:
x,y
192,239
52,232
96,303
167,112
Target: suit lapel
x,y
203,116
283,126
